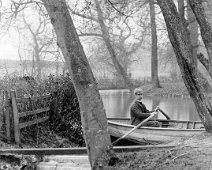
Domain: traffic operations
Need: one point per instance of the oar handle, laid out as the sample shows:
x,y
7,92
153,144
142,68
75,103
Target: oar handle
x,y
136,127
167,117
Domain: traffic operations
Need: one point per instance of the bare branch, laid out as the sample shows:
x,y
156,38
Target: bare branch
x,y
82,15
16,7
117,9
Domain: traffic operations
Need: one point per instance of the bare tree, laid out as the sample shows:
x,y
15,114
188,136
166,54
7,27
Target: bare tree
x,y
192,26
205,29
180,40
154,46
193,29
110,48
101,28
92,111
41,43
39,40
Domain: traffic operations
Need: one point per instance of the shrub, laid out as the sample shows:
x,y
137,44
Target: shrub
x,y
65,116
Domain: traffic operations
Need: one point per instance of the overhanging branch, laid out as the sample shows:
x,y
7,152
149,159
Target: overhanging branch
x,y
83,16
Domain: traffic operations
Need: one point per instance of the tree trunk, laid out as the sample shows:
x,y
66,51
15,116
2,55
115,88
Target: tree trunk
x,y
193,32
179,37
112,52
205,28
36,49
154,58
194,40
37,61
92,111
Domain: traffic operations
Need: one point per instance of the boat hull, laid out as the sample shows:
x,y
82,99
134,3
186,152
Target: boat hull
x,y
154,134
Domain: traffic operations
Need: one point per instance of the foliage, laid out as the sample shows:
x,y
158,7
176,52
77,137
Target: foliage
x,y
65,117
64,123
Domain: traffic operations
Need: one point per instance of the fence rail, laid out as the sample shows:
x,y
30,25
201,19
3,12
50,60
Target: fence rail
x,y
19,113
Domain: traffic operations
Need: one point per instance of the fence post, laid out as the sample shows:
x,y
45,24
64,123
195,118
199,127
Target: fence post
x,y
7,114
15,117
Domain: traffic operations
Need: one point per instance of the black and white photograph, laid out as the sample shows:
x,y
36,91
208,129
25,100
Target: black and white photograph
x,y
105,84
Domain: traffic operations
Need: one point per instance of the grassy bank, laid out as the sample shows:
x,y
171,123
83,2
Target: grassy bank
x,y
167,89
189,154
170,89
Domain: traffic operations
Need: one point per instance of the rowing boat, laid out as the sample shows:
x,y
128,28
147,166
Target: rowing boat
x,y
169,131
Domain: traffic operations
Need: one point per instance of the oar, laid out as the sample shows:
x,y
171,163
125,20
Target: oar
x,y
167,117
136,127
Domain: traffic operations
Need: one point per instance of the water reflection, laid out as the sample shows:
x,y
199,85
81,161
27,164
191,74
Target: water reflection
x,y
117,104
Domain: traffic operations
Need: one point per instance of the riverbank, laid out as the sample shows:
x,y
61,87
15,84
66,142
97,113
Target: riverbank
x,y
189,154
171,89
192,153
177,89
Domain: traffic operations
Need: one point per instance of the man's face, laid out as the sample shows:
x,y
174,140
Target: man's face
x,y
139,96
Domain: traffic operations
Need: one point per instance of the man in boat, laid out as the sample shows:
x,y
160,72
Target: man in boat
x,y
139,112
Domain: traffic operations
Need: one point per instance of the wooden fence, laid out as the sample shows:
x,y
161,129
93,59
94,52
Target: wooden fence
x,y
19,113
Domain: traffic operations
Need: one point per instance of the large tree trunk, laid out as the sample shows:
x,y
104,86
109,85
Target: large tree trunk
x,y
192,26
109,46
92,111
179,37
205,27
154,58
193,30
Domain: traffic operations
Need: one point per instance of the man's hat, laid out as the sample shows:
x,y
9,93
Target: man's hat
x,y
138,91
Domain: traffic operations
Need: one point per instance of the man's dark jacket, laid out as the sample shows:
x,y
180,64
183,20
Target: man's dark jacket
x,y
138,112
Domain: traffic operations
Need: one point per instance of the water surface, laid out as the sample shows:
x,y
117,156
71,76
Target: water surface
x,y
117,104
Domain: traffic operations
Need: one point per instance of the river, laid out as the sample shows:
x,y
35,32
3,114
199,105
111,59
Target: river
x,y
117,104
